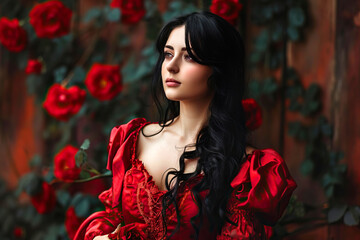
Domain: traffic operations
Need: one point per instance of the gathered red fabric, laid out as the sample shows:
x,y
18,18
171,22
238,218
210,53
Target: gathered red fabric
x,y
133,206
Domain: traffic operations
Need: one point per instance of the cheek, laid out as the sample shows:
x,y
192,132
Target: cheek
x,y
199,75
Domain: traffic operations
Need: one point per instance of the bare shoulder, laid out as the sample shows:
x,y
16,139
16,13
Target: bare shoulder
x,y
151,129
249,149
148,137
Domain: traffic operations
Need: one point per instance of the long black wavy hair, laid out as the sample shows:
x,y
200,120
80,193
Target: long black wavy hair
x,y
220,145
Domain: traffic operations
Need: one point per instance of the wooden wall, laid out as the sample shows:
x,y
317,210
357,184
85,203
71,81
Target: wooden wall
x,y
330,57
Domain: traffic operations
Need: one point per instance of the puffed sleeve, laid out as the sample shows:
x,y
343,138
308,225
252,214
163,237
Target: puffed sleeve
x,y
105,222
262,190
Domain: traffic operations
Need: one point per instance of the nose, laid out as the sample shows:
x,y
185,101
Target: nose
x,y
172,65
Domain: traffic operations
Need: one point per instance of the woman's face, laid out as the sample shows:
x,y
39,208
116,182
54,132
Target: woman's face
x,y
183,78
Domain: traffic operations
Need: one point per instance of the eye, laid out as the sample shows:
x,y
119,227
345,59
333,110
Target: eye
x,y
188,58
167,55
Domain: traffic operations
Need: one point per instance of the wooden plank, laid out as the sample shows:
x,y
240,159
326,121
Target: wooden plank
x,y
345,100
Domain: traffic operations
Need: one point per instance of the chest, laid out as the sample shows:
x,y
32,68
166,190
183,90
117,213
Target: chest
x,y
160,154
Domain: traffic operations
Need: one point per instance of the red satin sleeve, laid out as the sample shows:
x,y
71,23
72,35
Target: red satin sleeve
x,y
105,222
100,223
262,190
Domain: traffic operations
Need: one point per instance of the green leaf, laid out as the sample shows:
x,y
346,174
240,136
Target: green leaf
x,y
33,185
293,33
84,175
124,41
342,168
151,9
77,198
8,223
351,218
336,213
294,106
107,173
312,91
113,14
291,74
49,176
270,86
262,41
294,91
307,167
52,232
33,83
38,236
80,157
35,161
85,145
329,191
327,180
177,8
27,213
92,14
63,198
58,49
59,74
22,59
340,155
79,76
274,59
82,208
327,130
254,89
37,219
277,33
267,12
296,16
97,57
30,183
294,128
255,57
313,106
314,132
332,179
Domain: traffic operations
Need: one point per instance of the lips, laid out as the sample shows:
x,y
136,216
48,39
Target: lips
x,y
172,80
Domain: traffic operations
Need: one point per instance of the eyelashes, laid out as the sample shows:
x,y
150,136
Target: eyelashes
x,y
169,55
188,58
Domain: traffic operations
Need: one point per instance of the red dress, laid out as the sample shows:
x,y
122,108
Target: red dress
x,y
262,190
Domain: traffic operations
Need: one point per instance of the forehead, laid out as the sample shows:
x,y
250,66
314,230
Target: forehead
x,y
177,37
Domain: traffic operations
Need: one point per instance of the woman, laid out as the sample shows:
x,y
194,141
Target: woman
x,y
191,175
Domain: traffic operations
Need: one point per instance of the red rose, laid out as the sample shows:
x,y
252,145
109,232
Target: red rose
x,y
64,164
34,66
131,10
12,36
72,222
18,232
62,103
104,81
45,200
252,113
227,9
50,19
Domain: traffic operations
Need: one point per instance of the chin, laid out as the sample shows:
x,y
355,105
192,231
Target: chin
x,y
172,97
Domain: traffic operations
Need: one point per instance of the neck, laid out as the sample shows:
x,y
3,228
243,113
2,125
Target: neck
x,y
192,118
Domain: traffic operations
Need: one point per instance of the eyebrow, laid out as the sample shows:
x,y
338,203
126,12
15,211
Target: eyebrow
x,y
183,49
